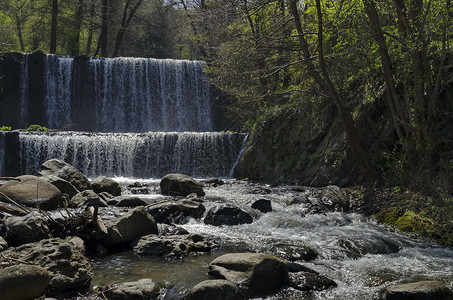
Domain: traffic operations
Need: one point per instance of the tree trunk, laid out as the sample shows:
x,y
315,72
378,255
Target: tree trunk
x,y
400,121
77,27
328,88
103,38
125,21
19,32
90,28
53,31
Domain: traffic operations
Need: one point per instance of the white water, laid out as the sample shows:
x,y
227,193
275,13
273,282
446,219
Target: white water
x,y
138,94
123,94
140,155
361,256
57,101
24,92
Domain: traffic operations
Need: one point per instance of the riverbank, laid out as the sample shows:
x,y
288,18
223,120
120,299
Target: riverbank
x,y
331,249
427,217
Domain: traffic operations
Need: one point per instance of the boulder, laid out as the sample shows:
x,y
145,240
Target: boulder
x,y
142,289
64,170
63,185
27,229
227,215
104,184
262,205
33,191
69,269
132,225
106,196
293,253
333,198
127,201
138,188
23,282
422,290
257,273
166,229
176,212
174,246
296,267
214,181
86,198
307,281
180,185
215,289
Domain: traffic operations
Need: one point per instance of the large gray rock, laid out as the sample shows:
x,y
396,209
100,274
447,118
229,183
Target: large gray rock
x,y
27,229
143,289
23,282
132,225
33,191
293,253
64,170
180,185
63,185
307,281
87,198
104,184
422,290
263,205
176,212
257,273
215,290
227,215
69,269
127,201
333,198
174,246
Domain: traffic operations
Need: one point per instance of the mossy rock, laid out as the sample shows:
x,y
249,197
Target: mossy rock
x,y
407,221
413,222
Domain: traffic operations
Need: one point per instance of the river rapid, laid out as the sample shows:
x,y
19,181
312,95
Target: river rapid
x,y
361,256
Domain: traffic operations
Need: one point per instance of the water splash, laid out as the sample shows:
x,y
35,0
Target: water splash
x,y
146,155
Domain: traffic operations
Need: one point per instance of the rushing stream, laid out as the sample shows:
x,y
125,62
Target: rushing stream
x,y
361,256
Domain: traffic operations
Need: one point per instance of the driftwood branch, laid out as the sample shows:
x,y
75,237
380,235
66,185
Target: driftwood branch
x,y
10,178
7,199
11,210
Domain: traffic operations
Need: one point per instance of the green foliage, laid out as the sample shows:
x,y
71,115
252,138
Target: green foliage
x,y
5,128
36,128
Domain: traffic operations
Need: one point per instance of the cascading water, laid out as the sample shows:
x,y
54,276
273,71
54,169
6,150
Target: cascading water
x,y
140,155
57,102
23,93
361,256
120,94
149,94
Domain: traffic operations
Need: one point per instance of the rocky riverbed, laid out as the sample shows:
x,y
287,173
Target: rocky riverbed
x,y
65,236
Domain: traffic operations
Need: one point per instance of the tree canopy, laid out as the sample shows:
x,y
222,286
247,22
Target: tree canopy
x,y
267,53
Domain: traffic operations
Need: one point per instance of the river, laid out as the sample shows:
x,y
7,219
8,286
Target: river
x,y
361,256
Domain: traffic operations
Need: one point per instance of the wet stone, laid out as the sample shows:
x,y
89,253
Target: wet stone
x,y
305,281
293,253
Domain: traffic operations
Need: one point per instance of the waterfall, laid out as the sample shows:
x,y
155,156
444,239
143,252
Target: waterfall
x,y
144,155
119,94
23,93
150,94
57,101
133,117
